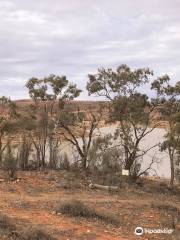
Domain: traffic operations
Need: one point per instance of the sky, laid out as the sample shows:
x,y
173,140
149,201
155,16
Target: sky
x,y
76,37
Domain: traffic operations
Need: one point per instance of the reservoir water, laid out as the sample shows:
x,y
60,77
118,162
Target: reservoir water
x,y
161,168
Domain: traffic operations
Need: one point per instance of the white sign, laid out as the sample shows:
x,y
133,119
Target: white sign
x,y
125,172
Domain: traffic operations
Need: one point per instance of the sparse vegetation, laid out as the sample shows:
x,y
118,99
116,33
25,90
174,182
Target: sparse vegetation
x,y
169,106
31,233
60,153
77,208
6,225
10,162
9,229
64,162
52,211
167,207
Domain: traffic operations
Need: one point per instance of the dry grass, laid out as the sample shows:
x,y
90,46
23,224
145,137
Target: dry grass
x,y
94,218
30,233
77,208
7,228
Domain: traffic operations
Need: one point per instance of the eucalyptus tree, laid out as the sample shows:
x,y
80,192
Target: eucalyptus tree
x,y
134,110
78,128
168,97
49,95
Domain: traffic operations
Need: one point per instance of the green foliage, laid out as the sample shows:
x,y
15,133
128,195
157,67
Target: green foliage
x,y
113,84
163,88
103,155
49,95
3,100
8,117
27,122
128,106
9,106
168,97
70,118
51,88
9,161
133,109
9,126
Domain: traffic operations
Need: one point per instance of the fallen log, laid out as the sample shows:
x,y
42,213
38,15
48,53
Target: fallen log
x,y
102,187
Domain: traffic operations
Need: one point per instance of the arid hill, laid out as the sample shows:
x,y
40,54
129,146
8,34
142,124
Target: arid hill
x,y
33,204
84,106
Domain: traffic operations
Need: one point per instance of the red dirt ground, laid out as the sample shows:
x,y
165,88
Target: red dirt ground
x,y
33,199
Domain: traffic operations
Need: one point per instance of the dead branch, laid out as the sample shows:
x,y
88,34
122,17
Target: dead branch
x,y
102,187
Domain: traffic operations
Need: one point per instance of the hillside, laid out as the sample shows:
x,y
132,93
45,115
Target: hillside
x,y
31,202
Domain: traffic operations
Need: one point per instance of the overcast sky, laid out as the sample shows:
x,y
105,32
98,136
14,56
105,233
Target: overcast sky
x,y
75,37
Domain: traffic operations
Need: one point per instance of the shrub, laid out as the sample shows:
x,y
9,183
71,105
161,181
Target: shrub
x,y
108,218
77,208
30,233
109,179
103,156
5,223
166,207
24,152
10,162
64,163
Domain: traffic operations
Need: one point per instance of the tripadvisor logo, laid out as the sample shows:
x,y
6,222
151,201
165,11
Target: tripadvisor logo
x,y
138,231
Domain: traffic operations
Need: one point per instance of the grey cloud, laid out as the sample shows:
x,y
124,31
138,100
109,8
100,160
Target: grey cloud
x,y
76,37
